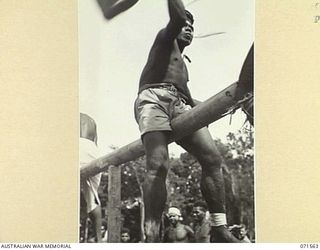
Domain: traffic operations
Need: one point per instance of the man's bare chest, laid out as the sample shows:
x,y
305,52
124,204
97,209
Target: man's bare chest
x,y
178,234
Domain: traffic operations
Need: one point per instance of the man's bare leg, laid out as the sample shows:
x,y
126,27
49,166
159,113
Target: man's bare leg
x,y
202,146
154,186
95,216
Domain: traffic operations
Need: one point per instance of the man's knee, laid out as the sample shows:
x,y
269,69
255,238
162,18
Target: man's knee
x,y
211,160
95,213
158,164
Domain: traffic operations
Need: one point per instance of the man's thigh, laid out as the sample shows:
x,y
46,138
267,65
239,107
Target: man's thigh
x,y
156,144
200,144
151,113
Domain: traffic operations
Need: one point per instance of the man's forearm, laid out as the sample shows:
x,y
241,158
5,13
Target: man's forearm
x,y
177,12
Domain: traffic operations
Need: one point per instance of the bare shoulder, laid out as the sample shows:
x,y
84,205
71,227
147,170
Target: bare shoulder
x,y
188,228
163,35
206,227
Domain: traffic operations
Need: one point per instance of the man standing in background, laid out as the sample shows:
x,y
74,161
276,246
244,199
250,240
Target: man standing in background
x,y
177,232
202,224
88,152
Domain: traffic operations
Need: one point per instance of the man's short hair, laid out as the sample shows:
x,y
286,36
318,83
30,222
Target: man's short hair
x,y
125,230
189,16
201,204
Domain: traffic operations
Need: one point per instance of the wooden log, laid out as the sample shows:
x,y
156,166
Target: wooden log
x,y
114,204
201,115
204,113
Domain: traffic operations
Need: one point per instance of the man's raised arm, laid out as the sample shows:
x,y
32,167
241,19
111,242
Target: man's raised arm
x,y
178,18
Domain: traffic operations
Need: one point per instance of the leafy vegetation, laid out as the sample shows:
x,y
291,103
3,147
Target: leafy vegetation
x,y
183,184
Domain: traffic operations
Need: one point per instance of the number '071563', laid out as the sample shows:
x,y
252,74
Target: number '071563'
x,y
305,245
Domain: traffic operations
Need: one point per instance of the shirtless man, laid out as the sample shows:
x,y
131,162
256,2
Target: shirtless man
x,y
202,226
164,94
177,232
89,187
240,232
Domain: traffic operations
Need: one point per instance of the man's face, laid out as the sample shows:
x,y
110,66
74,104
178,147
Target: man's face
x,y
173,218
125,237
103,230
198,213
242,233
186,35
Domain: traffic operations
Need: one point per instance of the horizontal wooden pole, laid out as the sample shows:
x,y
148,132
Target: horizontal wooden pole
x,y
206,112
201,115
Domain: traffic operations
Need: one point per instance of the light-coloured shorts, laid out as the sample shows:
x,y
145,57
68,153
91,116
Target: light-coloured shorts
x,y
156,107
89,187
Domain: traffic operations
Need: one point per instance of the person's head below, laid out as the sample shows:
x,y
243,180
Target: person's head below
x,y
239,231
186,35
125,235
174,215
199,211
104,226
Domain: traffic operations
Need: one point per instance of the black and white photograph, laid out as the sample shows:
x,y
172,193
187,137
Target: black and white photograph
x,y
197,121
166,101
